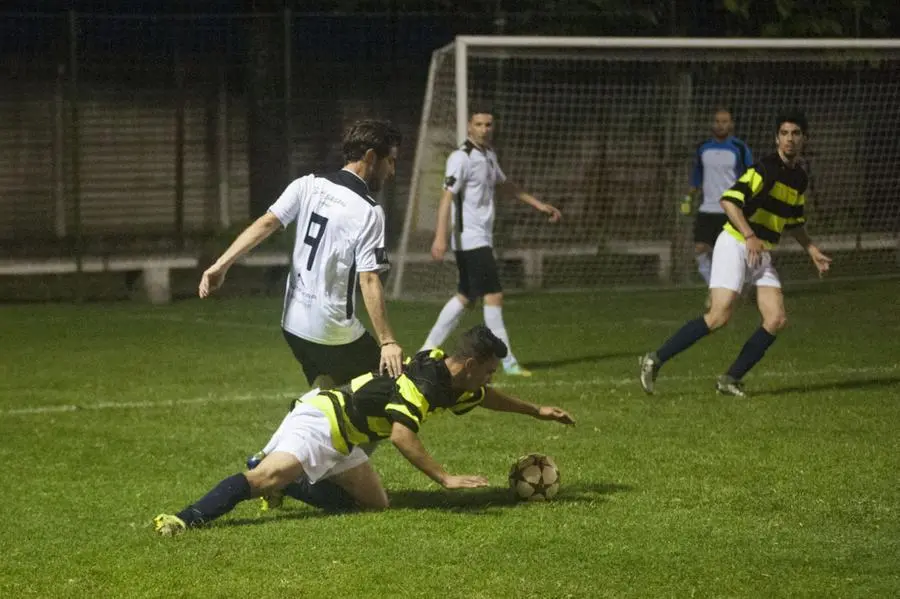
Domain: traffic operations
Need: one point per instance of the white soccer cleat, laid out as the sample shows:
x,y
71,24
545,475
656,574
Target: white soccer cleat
x,y
516,370
726,385
649,371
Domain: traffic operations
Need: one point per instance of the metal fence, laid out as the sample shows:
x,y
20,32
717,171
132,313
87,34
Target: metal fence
x,y
123,130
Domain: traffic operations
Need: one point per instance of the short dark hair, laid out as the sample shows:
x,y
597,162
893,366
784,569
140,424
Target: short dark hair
x,y
478,109
793,115
481,344
366,134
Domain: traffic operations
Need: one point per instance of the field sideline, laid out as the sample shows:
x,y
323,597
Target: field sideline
x,y
113,412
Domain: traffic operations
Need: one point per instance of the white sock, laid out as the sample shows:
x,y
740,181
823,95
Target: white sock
x,y
493,318
447,320
704,265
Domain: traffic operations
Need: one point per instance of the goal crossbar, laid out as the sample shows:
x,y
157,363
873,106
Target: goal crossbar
x,y
675,93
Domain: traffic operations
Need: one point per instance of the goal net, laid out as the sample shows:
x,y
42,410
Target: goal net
x,y
606,129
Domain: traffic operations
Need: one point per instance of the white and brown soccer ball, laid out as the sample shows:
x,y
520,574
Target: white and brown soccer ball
x,y
534,477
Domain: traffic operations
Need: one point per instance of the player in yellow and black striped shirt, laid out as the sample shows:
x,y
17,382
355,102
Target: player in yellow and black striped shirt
x,y
767,200
316,454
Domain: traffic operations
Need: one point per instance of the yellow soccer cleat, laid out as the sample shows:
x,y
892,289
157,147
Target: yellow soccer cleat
x,y
167,525
272,501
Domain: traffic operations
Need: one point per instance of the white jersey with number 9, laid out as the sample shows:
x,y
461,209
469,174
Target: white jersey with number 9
x,y
340,232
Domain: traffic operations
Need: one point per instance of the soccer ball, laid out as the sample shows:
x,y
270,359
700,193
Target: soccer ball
x,y
534,477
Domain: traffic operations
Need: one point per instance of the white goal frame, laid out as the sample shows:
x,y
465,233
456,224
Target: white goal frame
x,y
463,45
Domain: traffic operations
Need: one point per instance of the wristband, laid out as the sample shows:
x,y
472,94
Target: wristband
x,y
389,343
750,236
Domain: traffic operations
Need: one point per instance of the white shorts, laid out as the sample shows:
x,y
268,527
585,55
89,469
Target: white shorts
x,y
731,271
305,433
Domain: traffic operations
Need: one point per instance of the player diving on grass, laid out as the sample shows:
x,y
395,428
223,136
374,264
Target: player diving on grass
x,y
765,201
319,440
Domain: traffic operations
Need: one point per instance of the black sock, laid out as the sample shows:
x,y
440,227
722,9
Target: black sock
x,y
325,494
751,353
217,502
687,335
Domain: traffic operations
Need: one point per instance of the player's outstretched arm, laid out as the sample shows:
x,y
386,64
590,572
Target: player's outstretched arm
x,y
550,210
501,402
373,297
820,260
252,236
407,442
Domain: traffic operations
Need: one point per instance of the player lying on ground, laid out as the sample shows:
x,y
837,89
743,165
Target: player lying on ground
x,y
321,436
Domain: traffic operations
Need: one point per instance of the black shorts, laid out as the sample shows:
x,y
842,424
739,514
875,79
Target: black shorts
x,y
341,362
707,226
477,273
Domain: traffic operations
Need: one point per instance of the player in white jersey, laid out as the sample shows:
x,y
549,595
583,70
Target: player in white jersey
x,y
339,242
472,178
719,162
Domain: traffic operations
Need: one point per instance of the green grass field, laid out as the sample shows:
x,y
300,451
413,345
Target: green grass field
x,y
793,493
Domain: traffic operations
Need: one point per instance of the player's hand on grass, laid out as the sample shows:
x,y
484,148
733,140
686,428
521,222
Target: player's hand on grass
x,y
464,481
754,250
552,211
391,359
438,249
822,262
212,279
557,414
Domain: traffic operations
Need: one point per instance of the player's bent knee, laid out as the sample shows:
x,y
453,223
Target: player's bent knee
x,y
268,476
467,303
717,318
261,482
776,323
493,299
375,503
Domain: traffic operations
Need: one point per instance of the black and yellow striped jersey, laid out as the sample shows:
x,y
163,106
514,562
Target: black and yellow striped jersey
x,y
771,195
365,410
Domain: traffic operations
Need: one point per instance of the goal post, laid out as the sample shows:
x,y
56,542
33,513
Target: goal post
x,y
607,128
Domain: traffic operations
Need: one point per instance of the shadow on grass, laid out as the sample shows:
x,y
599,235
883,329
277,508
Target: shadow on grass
x,y
877,383
474,501
572,360
477,500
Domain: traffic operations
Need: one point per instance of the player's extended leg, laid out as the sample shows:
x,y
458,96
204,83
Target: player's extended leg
x,y
274,472
721,306
771,307
446,322
729,270
493,318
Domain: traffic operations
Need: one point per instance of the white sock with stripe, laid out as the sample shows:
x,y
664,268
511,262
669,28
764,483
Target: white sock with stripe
x,y
447,320
493,318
